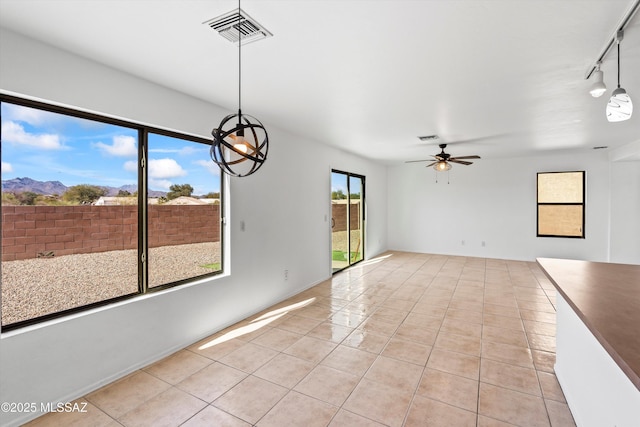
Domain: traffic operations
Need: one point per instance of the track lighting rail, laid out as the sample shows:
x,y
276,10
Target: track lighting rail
x,y
612,40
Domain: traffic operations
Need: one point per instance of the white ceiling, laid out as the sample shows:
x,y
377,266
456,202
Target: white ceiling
x,y
369,77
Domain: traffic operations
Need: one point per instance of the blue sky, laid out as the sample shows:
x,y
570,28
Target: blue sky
x,y
48,146
339,182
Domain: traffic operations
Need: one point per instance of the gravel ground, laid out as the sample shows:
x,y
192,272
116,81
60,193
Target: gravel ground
x,y
35,287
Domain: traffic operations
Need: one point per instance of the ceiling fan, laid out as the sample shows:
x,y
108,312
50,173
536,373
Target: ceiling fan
x,y
442,159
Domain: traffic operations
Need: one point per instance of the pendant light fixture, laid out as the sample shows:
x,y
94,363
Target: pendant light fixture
x,y
598,88
442,166
620,106
239,150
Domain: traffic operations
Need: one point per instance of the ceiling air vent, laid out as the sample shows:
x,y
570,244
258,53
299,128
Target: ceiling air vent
x,y
428,137
229,23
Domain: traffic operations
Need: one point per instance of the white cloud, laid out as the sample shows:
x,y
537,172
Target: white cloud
x,y
6,167
210,166
160,183
123,146
14,133
190,150
165,168
184,151
131,166
163,150
32,116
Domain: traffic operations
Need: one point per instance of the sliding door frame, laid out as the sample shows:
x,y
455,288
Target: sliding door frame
x,y
362,219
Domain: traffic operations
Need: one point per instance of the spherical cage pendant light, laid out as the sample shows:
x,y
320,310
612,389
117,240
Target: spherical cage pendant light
x,y
239,150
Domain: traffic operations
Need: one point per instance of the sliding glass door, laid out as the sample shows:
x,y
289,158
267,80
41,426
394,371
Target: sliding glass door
x,y
347,219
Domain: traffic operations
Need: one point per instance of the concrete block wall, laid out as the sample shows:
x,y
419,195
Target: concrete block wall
x,y
339,216
32,231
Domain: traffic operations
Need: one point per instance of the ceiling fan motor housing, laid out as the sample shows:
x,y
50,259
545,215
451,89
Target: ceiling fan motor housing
x,y
442,156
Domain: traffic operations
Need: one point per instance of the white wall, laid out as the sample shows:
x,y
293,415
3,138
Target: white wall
x,y
625,212
64,359
495,201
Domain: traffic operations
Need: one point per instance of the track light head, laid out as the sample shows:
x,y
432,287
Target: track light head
x,y
598,88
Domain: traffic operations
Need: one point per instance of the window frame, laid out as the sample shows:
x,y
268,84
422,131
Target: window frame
x,y
582,204
143,131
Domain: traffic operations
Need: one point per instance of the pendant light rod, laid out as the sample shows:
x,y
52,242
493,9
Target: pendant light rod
x,y
619,37
619,60
240,62
622,24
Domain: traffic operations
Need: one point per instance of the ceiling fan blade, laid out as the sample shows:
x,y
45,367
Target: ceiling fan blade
x,y
431,164
462,162
427,160
415,161
465,157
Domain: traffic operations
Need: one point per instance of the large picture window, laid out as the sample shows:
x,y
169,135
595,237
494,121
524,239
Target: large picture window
x,y
95,210
561,204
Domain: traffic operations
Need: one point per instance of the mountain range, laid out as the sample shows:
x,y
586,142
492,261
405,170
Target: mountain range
x,y
19,185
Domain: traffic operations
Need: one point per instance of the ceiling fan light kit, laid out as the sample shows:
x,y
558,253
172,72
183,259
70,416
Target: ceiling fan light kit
x,y
239,150
442,166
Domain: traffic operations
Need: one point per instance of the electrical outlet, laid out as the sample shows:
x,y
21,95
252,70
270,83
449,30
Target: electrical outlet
x,y
286,275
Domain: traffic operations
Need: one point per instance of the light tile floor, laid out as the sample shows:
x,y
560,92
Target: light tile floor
x,y
402,340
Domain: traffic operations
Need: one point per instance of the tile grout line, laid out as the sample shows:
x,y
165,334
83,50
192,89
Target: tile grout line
x,y
544,401
481,345
424,368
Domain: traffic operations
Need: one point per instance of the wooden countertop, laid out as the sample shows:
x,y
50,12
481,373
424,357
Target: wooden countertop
x,y
606,297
